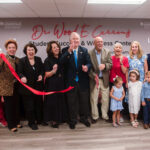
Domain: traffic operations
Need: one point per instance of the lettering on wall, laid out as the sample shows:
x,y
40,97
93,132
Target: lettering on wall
x,y
60,31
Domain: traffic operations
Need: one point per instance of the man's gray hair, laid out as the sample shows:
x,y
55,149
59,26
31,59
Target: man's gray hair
x,y
74,33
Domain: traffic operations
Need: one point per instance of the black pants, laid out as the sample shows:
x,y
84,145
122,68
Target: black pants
x,y
78,103
16,99
12,108
9,110
33,105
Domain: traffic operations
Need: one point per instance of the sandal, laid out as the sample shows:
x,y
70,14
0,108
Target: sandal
x,y
133,123
120,124
115,125
136,121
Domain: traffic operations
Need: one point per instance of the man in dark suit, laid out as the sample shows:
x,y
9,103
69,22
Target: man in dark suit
x,y
77,65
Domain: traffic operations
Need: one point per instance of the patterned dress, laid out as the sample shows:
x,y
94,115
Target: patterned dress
x,y
116,105
138,64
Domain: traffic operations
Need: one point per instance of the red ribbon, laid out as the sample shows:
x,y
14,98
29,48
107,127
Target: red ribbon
x,y
29,88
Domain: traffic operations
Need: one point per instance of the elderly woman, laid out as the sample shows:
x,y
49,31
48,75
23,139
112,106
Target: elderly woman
x,y
120,65
30,70
137,60
54,105
119,68
8,86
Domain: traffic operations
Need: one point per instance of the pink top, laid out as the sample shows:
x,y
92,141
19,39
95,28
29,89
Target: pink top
x,y
116,68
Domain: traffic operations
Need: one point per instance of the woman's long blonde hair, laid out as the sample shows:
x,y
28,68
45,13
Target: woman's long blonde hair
x,y
140,51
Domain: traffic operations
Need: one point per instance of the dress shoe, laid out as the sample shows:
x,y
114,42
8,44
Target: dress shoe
x,y
33,126
44,123
145,126
93,121
86,123
39,122
56,125
72,126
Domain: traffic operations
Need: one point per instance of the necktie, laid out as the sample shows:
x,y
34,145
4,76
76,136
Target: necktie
x,y
76,63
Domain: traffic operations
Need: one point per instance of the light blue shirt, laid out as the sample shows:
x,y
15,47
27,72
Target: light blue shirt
x,y
145,91
138,64
98,56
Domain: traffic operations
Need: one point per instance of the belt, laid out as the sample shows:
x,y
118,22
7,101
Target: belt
x,y
148,99
100,77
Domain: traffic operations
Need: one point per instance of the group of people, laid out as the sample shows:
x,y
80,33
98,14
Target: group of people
x,y
90,72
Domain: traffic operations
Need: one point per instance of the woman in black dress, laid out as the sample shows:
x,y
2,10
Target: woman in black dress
x,y
30,70
54,105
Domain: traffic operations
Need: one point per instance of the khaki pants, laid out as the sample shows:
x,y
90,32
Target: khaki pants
x,y
104,101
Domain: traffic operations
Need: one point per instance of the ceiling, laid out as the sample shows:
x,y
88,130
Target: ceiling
x,y
72,8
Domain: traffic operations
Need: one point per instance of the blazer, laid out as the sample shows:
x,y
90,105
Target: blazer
x,y
26,70
105,59
7,80
71,70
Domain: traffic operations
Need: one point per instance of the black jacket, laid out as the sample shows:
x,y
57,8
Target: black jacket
x,y
68,61
31,73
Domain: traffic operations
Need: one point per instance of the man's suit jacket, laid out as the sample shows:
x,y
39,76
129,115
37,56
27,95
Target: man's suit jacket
x,y
71,71
105,59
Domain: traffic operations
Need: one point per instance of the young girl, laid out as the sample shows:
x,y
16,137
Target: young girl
x,y
134,90
117,94
146,101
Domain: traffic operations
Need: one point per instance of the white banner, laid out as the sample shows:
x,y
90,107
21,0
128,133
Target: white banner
x,y
41,31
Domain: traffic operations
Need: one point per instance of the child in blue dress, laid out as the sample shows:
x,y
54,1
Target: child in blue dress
x,y
117,94
146,101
